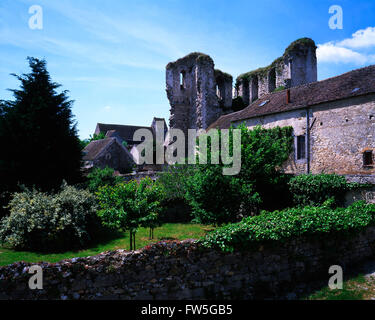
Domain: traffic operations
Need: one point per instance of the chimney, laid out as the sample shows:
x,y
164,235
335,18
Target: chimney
x,y
288,96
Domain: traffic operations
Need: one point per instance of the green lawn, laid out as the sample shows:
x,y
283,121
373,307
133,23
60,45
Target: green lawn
x,y
113,241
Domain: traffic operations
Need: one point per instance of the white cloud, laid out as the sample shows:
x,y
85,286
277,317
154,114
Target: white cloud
x,y
107,108
363,38
330,52
348,50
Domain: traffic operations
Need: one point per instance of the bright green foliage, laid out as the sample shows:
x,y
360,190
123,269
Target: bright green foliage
x,y
42,221
174,180
84,143
281,88
129,205
95,137
218,199
308,189
291,223
102,177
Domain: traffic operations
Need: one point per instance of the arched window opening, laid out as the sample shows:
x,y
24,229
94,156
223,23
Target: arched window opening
x,y
272,80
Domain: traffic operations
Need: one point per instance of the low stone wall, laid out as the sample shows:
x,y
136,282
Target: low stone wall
x,y
184,270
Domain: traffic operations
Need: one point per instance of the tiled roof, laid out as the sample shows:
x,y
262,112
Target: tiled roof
x,y
351,84
124,131
94,148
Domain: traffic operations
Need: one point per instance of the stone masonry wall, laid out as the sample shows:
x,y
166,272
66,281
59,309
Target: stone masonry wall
x,y
191,90
340,132
297,66
184,270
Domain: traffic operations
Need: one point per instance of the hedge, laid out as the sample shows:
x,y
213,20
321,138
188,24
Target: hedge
x,y
309,189
290,223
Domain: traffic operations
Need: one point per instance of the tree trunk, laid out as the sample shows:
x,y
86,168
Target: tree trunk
x,y
131,240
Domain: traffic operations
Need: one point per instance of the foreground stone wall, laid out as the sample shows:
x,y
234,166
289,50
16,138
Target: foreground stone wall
x,y
183,270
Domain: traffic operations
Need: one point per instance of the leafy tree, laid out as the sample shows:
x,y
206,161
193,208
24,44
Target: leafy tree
x,y
85,142
174,180
129,205
219,199
38,134
95,136
101,177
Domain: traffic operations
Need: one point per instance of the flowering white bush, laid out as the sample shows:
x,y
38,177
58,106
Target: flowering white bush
x,y
43,221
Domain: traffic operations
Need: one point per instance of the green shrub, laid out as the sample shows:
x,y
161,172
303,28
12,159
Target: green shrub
x,y
309,189
175,207
174,180
129,205
101,177
42,221
217,199
291,223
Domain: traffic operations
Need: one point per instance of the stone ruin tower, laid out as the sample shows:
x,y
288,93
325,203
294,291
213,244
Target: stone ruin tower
x,y
198,94
297,66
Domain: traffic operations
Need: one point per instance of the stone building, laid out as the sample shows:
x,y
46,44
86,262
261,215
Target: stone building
x,y
108,152
333,119
118,149
333,122
198,94
297,66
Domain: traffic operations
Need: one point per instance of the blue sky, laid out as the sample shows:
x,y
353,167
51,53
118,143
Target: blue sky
x,y
111,55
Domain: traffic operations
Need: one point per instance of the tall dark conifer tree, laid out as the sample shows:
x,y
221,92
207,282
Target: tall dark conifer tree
x,y
38,135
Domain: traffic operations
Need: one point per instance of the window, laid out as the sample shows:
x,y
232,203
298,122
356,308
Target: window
x,y
272,80
367,158
254,89
264,103
182,80
301,147
218,93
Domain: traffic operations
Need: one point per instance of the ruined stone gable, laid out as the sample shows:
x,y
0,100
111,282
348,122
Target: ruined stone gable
x,y
296,67
198,94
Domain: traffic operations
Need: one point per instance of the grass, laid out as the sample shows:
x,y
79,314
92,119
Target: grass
x,y
107,242
357,288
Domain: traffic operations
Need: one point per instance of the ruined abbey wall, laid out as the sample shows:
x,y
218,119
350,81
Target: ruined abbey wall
x,y
297,66
198,94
